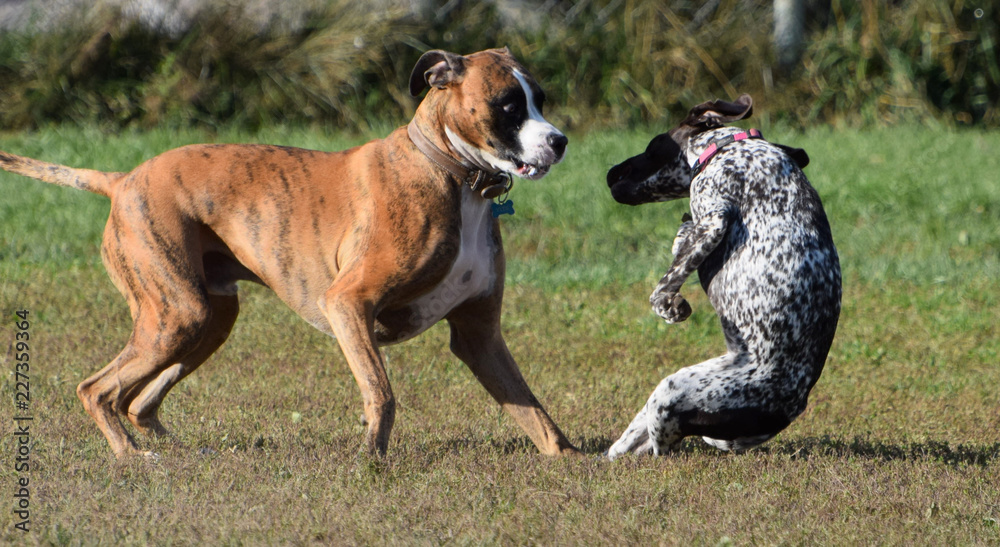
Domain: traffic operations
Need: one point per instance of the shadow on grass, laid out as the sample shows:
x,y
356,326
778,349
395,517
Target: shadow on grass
x,y
878,450
828,446
515,445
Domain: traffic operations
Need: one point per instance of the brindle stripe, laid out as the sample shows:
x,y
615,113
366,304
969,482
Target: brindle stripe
x,y
281,244
252,225
176,258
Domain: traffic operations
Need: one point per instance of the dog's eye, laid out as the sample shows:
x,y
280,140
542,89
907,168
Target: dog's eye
x,y
510,108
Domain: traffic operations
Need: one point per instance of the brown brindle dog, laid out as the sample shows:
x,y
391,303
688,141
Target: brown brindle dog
x,y
371,245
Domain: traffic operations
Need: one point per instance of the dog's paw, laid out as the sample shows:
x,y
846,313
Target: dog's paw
x,y
687,225
672,307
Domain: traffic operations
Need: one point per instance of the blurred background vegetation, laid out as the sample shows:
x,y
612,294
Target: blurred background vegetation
x,y
603,62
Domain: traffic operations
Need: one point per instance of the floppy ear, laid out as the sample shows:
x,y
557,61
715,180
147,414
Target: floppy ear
x,y
797,154
712,114
709,115
436,68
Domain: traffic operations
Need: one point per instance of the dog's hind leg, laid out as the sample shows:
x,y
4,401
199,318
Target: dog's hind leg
x,y
159,339
635,439
738,445
154,266
143,401
685,403
662,426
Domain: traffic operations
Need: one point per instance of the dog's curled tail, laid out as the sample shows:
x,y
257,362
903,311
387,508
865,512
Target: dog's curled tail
x,y
97,182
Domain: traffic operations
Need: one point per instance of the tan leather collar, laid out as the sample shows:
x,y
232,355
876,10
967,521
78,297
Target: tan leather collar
x,y
489,185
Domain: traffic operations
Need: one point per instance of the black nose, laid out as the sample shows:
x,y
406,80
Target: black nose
x,y
558,142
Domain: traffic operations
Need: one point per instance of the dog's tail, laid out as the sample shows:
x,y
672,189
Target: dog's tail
x,y
97,182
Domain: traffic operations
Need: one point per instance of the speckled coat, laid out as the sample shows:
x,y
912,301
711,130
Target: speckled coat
x,y
762,246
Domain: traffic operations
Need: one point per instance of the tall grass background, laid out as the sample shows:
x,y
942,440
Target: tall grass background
x,y
605,62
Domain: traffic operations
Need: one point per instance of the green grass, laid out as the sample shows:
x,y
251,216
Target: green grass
x,y
900,443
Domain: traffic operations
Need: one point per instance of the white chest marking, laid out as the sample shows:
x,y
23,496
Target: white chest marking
x,y
472,273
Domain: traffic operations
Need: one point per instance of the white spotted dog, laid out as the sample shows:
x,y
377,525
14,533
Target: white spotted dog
x,y
761,243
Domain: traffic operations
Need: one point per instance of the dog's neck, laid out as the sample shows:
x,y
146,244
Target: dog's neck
x,y
488,182
702,148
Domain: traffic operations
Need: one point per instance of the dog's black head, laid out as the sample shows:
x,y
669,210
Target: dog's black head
x,y
662,172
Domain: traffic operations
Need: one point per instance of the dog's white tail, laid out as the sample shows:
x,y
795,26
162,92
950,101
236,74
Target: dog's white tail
x,y
97,182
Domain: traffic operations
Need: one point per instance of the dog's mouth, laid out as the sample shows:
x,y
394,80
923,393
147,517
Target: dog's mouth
x,y
529,171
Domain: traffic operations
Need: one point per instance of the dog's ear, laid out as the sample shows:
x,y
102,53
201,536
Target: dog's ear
x,y
712,114
797,154
436,68
709,115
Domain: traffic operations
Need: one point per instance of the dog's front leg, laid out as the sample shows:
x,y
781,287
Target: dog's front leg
x,y
683,233
477,341
694,245
351,314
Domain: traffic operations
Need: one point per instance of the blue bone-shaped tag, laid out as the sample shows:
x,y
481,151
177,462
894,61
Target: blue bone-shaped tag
x,y
505,208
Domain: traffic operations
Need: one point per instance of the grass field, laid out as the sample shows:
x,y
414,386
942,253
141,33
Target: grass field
x,y
900,443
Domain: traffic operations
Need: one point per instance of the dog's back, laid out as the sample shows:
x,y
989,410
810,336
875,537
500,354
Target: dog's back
x,y
774,280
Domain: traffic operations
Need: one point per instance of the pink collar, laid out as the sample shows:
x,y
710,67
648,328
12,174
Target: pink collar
x,y
718,144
